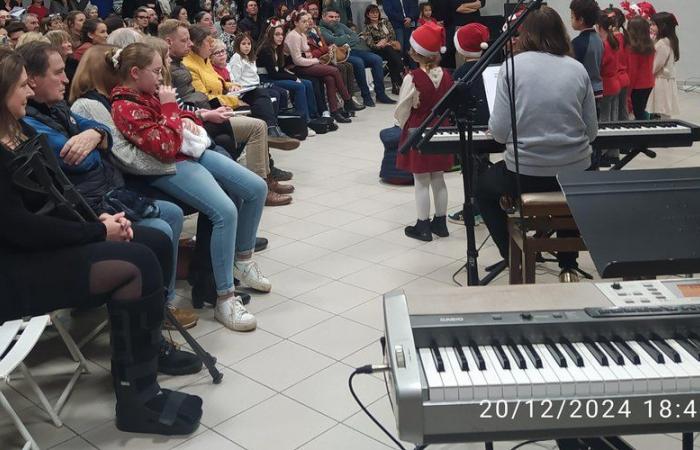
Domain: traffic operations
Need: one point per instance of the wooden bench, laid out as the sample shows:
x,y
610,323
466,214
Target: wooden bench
x,y
543,213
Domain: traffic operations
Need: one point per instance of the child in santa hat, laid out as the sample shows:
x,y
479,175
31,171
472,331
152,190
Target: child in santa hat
x,y
422,88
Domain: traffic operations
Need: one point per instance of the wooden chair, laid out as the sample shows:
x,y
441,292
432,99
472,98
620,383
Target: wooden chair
x,y
543,213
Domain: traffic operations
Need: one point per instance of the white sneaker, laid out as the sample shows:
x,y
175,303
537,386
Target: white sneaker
x,y
311,133
248,273
326,114
233,315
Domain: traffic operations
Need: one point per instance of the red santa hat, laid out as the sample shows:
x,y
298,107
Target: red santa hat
x,y
428,39
643,9
472,39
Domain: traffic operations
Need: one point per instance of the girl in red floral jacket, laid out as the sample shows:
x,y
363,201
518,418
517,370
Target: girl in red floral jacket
x,y
146,113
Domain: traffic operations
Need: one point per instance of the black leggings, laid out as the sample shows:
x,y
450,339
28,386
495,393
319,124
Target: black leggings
x,y
639,103
85,276
393,62
498,180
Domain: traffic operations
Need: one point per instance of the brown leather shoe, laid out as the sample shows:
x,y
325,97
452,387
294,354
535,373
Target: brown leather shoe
x,y
185,316
275,199
277,139
276,186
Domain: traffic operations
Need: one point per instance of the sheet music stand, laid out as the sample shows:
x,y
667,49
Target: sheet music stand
x,y
638,222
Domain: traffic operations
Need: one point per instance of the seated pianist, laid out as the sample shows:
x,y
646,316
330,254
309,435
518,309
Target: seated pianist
x,y
556,123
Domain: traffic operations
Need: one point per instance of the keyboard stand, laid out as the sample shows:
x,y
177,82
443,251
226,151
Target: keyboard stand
x,y
633,153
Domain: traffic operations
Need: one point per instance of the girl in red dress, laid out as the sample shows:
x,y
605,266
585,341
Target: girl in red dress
x,y
422,88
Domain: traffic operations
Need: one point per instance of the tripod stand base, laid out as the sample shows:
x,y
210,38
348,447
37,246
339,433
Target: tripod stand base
x,y
493,272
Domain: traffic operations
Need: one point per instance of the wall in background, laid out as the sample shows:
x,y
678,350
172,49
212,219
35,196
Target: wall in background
x,y
687,12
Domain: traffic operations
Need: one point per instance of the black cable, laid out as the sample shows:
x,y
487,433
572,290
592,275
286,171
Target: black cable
x,y
464,266
523,444
368,370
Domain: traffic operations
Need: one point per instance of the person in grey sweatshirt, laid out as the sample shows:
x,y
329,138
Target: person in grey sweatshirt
x,y
556,123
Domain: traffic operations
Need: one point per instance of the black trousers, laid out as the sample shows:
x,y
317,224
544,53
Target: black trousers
x,y
40,282
639,103
393,61
261,105
497,181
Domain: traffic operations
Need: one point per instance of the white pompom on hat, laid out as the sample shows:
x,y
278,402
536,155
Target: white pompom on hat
x,y
472,39
428,39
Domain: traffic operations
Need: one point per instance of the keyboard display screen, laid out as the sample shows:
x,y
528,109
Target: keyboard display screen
x,y
689,290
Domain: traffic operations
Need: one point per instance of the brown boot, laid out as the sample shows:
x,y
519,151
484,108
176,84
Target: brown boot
x,y
275,199
185,316
275,186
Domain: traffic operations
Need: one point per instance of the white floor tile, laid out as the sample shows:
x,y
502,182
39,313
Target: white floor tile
x,y
208,440
417,262
336,265
337,337
295,253
379,279
278,423
44,432
290,317
336,297
341,437
230,347
293,282
108,437
335,239
283,365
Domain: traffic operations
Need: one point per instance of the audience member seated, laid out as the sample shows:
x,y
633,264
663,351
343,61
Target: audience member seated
x,y
252,23
31,22
271,58
180,13
94,33
381,38
52,22
344,9
146,113
207,81
33,36
360,57
74,26
38,9
250,130
229,28
78,144
320,47
49,262
123,37
203,18
60,40
140,22
305,65
91,12
15,30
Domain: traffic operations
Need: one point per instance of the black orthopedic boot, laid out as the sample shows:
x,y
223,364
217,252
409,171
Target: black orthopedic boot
x,y
142,406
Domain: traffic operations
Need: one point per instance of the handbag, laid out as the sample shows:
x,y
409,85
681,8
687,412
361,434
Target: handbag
x,y
335,55
194,144
134,206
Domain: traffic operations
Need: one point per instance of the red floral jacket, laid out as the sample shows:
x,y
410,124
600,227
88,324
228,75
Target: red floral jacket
x,y
153,127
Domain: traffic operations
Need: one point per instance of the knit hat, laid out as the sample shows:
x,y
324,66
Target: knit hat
x,y
472,39
428,39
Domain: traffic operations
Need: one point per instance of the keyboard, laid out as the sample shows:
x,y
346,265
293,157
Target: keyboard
x,y
651,133
544,361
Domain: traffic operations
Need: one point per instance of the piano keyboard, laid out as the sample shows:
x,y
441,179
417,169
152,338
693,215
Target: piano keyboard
x,y
538,361
670,133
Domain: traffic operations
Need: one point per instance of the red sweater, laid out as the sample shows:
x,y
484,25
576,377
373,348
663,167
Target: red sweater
x,y
608,70
154,127
39,10
641,70
622,61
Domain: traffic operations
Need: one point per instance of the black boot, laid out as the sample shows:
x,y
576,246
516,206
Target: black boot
x,y
142,406
173,361
439,226
204,290
420,231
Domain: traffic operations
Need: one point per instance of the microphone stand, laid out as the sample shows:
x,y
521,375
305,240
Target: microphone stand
x,y
463,111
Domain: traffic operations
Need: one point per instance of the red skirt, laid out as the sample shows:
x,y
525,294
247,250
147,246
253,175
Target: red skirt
x,y
415,162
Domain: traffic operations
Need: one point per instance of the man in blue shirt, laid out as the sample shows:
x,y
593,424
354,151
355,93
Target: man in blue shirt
x,y
360,57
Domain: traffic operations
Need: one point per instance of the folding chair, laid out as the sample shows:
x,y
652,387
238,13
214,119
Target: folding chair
x,y
17,339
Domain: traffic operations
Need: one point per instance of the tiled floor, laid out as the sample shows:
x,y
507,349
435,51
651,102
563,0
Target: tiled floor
x,y
333,252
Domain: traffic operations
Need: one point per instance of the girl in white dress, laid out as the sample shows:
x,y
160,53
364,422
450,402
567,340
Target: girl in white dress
x,y
664,98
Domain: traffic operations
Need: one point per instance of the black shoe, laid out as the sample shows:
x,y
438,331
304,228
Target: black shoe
x,y
333,126
278,174
439,226
142,405
341,118
368,101
173,361
260,244
348,112
383,98
420,231
352,105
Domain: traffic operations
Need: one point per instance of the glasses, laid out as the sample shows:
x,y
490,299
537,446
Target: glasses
x,y
142,17
156,72
219,52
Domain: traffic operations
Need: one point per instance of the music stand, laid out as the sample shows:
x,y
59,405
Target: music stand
x,y
639,222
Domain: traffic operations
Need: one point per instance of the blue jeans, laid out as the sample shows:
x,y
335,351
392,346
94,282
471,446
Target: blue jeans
x,y
210,186
304,100
170,223
361,59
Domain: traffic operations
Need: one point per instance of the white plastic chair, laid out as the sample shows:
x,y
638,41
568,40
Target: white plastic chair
x,y
24,335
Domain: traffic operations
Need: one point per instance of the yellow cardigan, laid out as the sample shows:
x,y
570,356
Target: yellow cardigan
x,y
206,80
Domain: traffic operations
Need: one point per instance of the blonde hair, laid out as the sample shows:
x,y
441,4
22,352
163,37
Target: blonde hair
x,y
170,26
162,48
94,72
429,62
57,37
32,36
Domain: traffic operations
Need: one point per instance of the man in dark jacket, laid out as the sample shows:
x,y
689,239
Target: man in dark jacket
x,y
253,22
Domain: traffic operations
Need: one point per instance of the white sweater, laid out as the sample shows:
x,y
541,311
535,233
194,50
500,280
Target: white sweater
x,y
242,71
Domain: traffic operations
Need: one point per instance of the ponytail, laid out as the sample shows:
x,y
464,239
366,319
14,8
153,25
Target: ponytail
x,y
137,54
606,23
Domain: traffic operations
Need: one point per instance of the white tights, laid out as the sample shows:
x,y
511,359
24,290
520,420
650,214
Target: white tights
x,y
422,188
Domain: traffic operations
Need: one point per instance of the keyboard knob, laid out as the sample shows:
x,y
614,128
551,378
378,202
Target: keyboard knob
x,y
526,316
616,286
